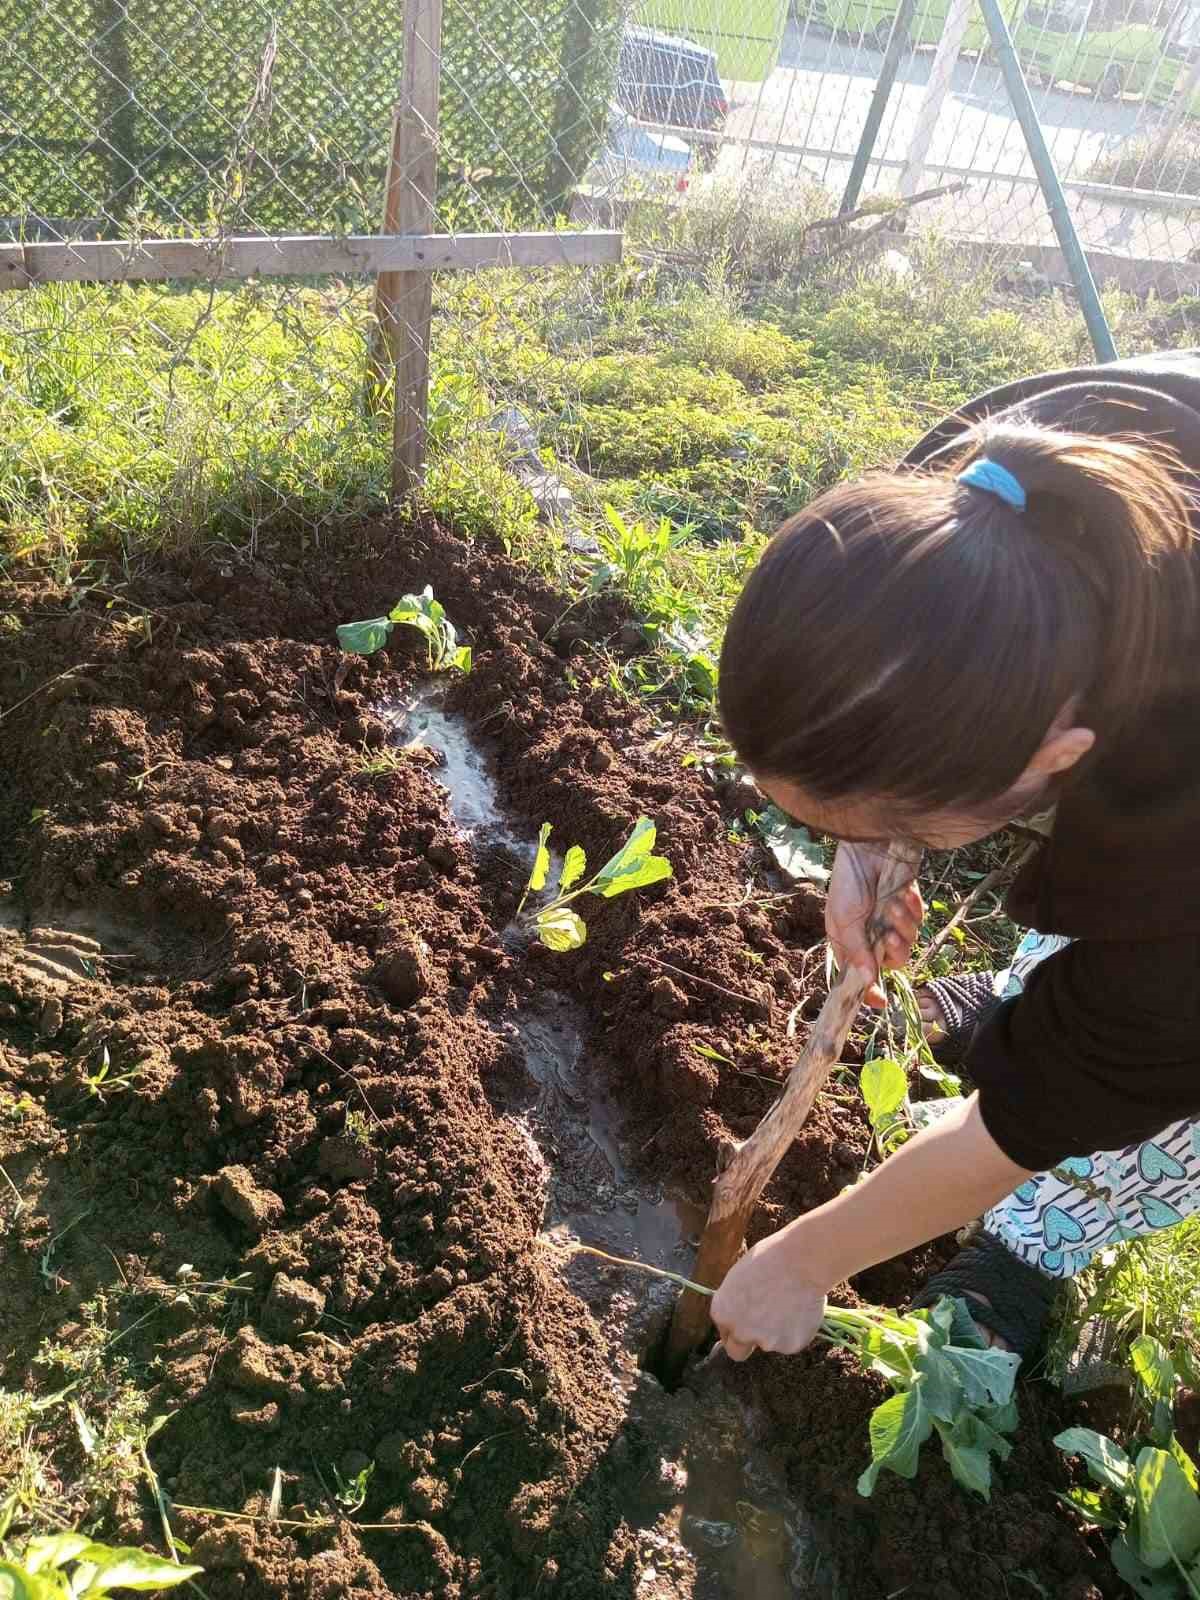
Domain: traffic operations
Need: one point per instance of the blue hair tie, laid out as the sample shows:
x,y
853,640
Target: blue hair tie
x,y
992,478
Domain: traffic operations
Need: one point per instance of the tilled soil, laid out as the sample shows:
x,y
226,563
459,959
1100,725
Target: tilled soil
x,y
277,1047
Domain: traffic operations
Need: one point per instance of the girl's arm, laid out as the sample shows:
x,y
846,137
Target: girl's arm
x,y
945,1176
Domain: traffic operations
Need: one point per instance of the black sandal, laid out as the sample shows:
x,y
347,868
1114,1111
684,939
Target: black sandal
x,y
1018,1296
966,1002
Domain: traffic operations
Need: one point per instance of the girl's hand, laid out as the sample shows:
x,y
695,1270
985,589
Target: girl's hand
x,y
853,885
766,1303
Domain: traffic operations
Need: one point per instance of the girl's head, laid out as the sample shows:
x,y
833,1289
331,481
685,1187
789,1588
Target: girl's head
x,y
916,656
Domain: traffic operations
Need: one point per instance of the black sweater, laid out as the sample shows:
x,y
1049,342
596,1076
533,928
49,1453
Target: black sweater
x,y
1103,1048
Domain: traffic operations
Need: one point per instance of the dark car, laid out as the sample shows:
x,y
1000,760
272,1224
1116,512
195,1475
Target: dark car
x,y
661,78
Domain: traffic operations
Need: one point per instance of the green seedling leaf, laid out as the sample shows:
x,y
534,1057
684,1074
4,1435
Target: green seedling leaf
x,y
988,1376
1107,1463
1089,1503
898,1428
54,1550
541,861
18,1585
651,869
795,850
1153,1366
464,658
128,1568
364,638
1167,1525
1148,1585
941,1386
968,1461
573,868
638,845
709,1054
1187,1465
559,928
964,1330
1003,1419
884,1087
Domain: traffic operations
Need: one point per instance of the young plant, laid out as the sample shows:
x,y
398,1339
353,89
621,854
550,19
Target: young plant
x,y
884,1085
420,611
1152,1500
947,1380
633,867
70,1566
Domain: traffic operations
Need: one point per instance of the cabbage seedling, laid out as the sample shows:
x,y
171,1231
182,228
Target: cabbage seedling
x,y
633,867
420,611
948,1381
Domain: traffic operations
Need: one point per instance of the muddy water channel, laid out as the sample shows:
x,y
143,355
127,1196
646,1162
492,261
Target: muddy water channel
x,y
718,1521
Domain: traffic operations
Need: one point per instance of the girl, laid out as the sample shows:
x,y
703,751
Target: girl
x,y
1005,627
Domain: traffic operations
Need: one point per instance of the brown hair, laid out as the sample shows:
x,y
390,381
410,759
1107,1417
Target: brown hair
x,y
913,638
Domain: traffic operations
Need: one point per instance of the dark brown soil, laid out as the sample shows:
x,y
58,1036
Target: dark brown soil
x,y
305,1045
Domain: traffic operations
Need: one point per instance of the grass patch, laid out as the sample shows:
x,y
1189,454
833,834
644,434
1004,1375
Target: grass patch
x,y
1137,164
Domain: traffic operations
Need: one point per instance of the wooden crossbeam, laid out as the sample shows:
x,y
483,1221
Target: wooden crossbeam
x,y
24,266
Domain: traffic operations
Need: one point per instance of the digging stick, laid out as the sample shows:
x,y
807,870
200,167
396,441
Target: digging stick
x,y
746,1168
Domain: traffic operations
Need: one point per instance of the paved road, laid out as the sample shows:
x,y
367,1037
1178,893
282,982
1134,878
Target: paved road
x,y
817,99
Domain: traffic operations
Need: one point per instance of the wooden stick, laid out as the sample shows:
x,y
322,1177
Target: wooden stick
x,y
25,266
749,1168
412,194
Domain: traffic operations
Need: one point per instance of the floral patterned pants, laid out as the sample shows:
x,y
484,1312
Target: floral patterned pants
x,y
1058,1220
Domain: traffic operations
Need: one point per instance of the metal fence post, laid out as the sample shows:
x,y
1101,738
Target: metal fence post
x,y
944,61
896,45
1043,165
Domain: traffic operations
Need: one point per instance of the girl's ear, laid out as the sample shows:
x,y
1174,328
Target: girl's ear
x,y
1060,750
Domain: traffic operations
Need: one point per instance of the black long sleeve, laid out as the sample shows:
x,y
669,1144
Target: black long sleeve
x,y
1102,1050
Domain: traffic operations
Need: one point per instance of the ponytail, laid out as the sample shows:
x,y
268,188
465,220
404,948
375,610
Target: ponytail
x,y
913,635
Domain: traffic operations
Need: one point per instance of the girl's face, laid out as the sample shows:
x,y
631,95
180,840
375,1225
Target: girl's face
x,y
861,820
879,820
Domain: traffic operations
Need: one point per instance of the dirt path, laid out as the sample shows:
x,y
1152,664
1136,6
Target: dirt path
x,y
335,1082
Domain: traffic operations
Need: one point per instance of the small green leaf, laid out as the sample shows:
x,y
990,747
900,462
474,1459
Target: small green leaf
x,y
988,1376
1106,1462
1154,1368
541,861
884,1086
364,638
652,869
463,659
1167,1526
1187,1465
795,850
129,1568
968,1461
18,1585
1003,1419
707,1051
898,1429
1090,1505
559,928
573,868
941,1386
639,844
1146,1584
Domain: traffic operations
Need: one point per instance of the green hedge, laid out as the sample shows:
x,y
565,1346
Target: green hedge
x,y
236,114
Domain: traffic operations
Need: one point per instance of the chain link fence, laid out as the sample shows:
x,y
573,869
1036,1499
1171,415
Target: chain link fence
x,y
222,405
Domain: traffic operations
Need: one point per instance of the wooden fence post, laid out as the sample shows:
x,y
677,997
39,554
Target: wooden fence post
x,y
944,61
404,300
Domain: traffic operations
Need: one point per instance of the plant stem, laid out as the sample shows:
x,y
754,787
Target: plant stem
x,y
575,1248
